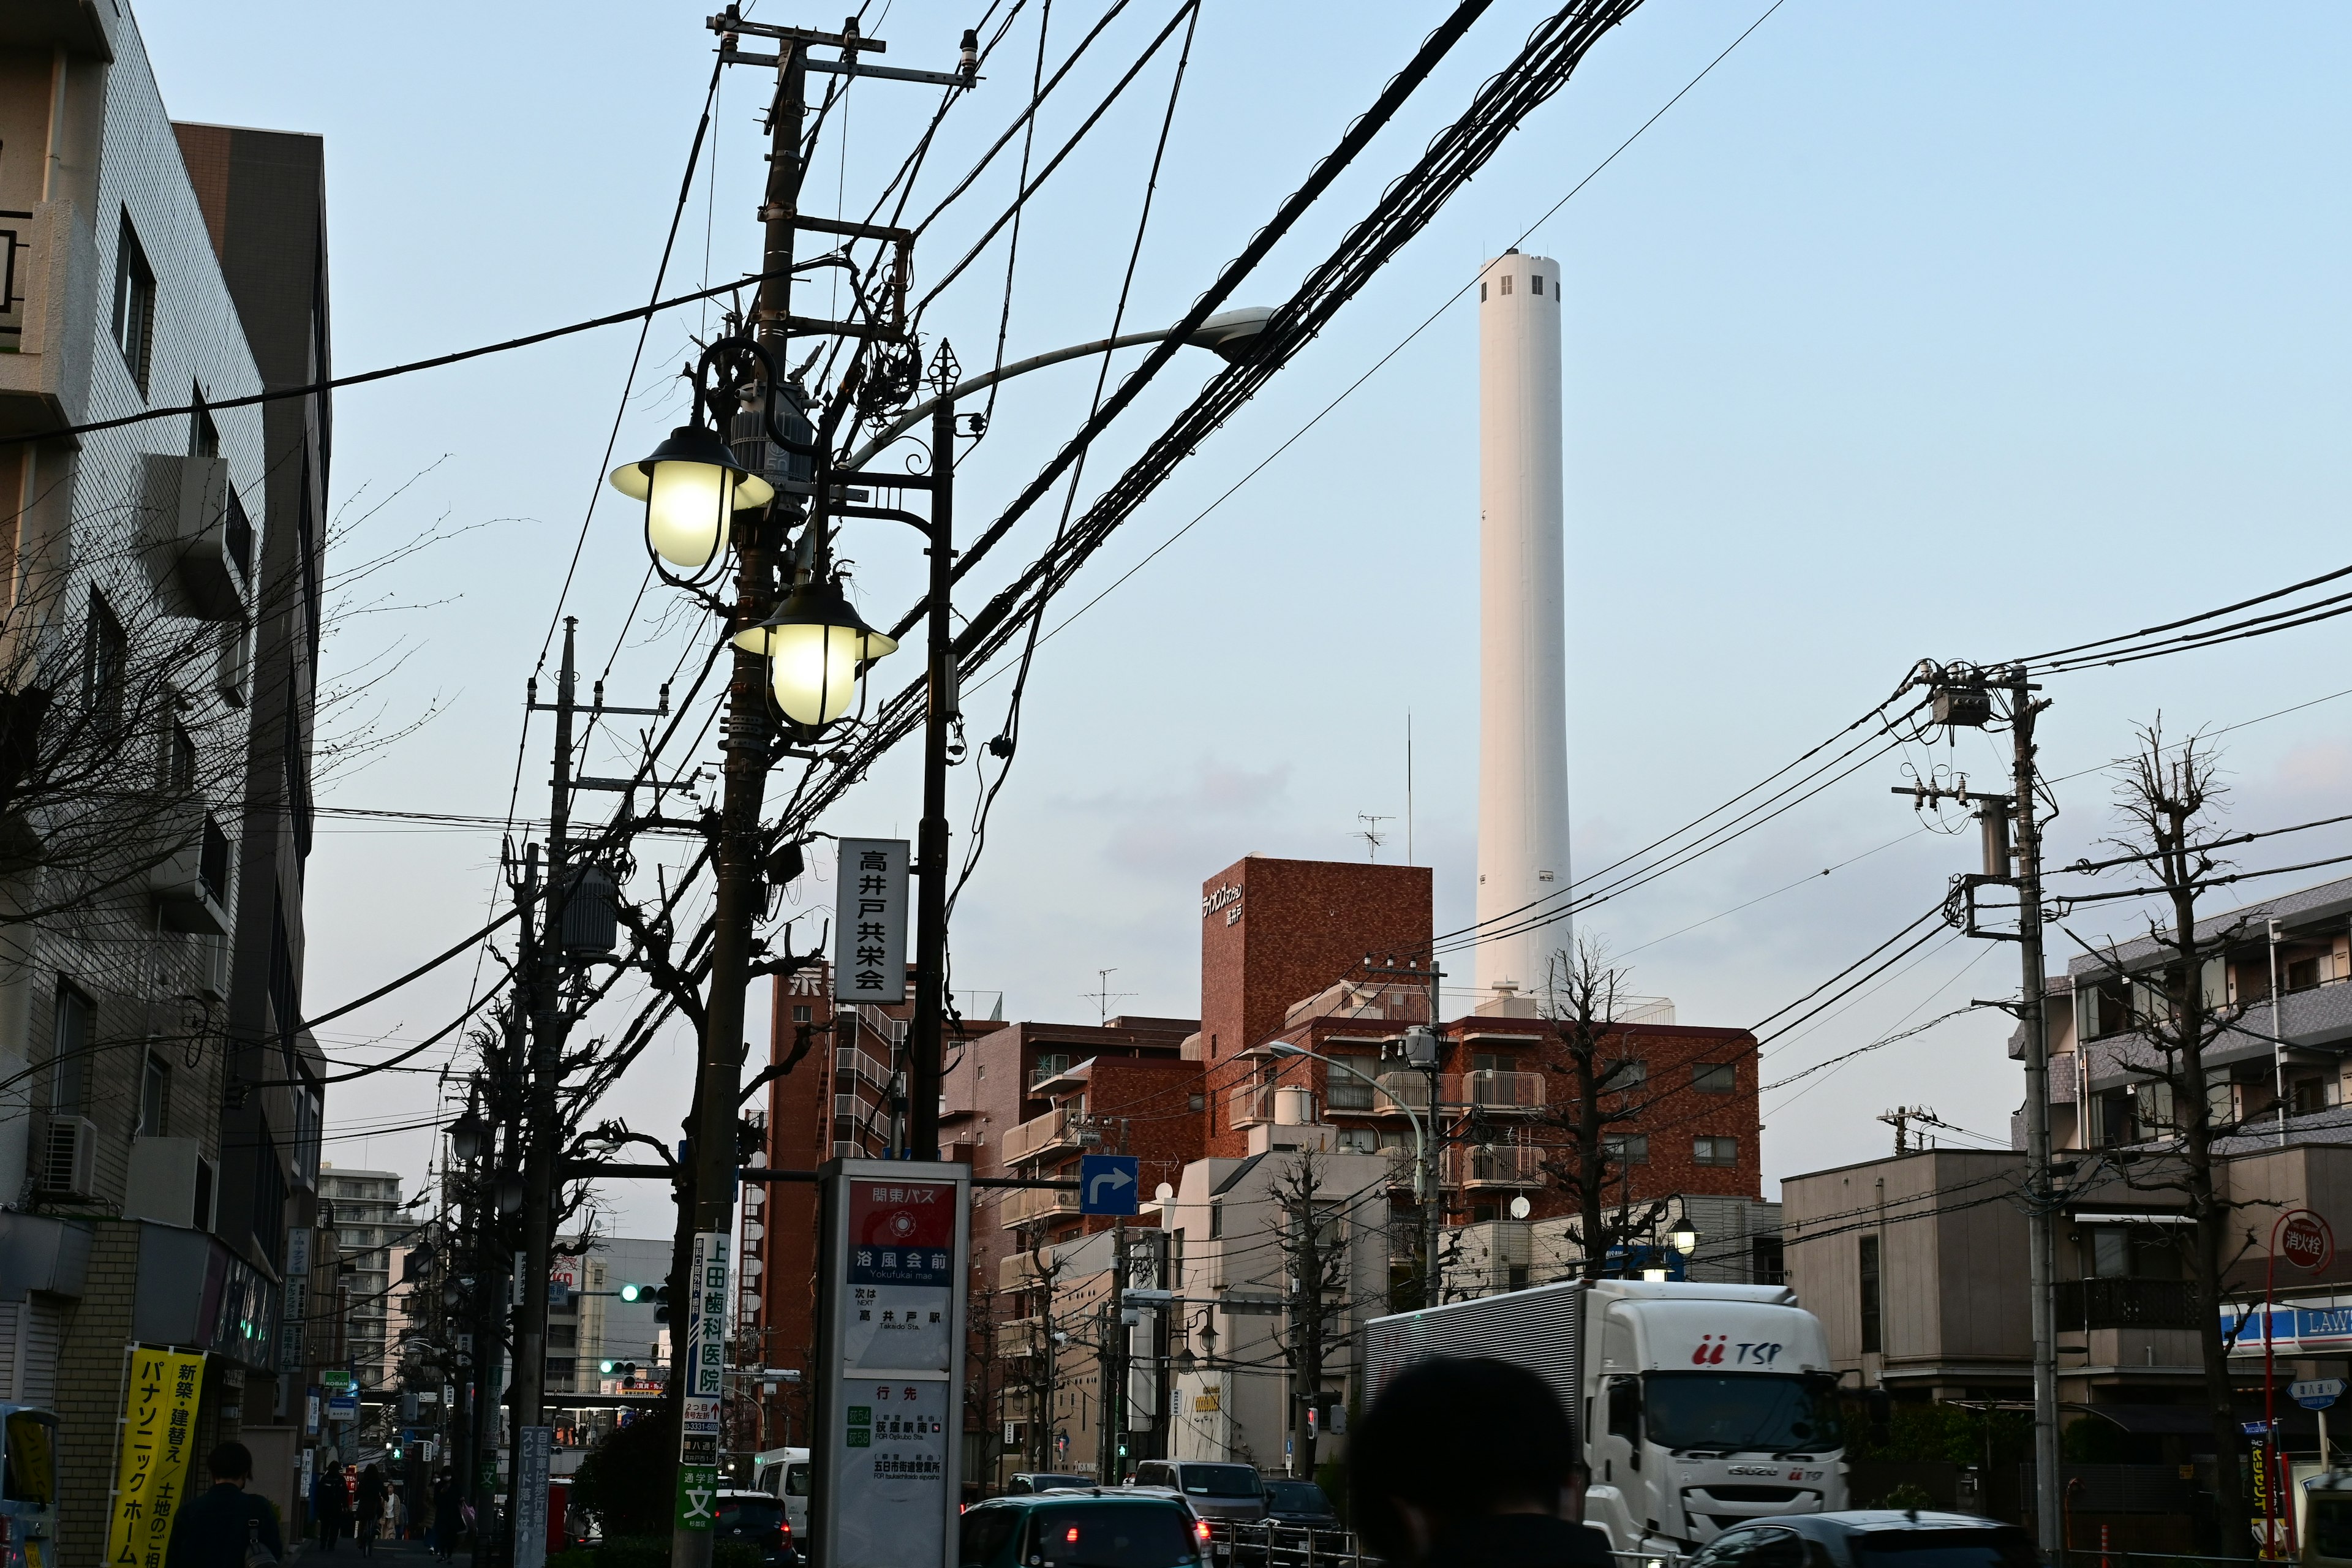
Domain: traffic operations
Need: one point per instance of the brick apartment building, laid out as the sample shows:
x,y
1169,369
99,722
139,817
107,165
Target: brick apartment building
x,y
1329,956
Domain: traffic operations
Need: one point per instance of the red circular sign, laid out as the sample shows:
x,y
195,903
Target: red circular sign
x,y
2306,1241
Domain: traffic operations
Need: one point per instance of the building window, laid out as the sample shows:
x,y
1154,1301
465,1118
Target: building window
x,y
1196,1102
154,1099
1482,293
70,1029
179,760
1347,1091
1626,1072
1216,1221
1870,1302
1359,1140
1626,1149
204,436
1715,1077
135,304
801,1014
1507,277
1535,283
105,659
1715,1150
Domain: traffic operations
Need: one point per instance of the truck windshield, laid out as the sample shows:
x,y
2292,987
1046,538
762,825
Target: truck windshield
x,y
1740,1412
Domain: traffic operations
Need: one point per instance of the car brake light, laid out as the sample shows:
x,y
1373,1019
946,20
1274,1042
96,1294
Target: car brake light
x,y
1201,1528
1071,1535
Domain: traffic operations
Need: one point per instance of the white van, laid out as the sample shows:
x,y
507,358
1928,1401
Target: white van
x,y
784,1473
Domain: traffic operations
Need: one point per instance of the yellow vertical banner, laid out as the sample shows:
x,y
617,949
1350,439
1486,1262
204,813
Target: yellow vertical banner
x,y
159,1433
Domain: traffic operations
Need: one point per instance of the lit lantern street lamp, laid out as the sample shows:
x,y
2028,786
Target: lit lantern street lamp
x,y
692,484
816,646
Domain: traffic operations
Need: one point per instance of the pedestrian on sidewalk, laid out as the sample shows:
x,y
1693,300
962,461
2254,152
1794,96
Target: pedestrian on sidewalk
x,y
1464,1463
216,1530
371,1510
447,1503
331,1504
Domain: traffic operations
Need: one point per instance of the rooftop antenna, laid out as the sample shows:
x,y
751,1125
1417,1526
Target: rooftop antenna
x,y
1103,997
1371,835
1408,788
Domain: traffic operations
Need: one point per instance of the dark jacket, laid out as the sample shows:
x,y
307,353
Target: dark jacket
x,y
211,1531
1518,1541
329,1497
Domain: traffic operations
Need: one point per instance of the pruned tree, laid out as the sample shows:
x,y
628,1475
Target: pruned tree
x,y
2172,991
1606,1090
1313,1241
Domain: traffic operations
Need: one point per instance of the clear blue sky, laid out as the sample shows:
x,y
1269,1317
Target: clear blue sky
x,y
1933,330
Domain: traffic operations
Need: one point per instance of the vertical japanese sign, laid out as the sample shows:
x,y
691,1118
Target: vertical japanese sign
x,y
537,1445
159,1420
869,921
702,1369
891,1354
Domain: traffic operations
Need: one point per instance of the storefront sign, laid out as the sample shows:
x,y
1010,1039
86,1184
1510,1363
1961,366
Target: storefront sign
x,y
536,1444
898,1239
869,921
158,1436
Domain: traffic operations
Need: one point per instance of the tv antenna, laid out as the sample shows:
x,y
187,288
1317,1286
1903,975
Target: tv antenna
x,y
1104,997
1370,834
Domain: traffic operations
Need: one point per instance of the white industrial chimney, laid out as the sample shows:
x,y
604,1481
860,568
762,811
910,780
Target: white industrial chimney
x,y
1522,624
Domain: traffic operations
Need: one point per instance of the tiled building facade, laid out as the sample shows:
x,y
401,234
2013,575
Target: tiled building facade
x,y
137,566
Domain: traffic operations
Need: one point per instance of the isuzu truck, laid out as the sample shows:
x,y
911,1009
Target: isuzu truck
x,y
1698,1406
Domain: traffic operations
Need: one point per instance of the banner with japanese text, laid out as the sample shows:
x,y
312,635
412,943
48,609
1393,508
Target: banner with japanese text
x,y
158,1439
702,1367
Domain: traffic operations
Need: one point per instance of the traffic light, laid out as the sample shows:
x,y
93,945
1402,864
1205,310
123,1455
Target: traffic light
x,y
656,1294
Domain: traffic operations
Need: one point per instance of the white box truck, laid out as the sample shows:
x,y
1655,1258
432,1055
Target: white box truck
x,y
1698,1406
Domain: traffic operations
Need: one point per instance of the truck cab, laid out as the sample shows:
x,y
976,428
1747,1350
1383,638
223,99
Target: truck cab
x,y
28,1487
1706,1406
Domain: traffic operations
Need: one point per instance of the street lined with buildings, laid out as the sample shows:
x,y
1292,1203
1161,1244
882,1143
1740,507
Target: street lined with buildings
x,y
916,1244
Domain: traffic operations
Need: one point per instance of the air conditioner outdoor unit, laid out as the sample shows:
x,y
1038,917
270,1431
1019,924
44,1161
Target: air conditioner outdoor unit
x,y
69,1158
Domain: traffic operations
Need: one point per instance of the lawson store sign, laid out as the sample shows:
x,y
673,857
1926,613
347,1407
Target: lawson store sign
x,y
2309,1329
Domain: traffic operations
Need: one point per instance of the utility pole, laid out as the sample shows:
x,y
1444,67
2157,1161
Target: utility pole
x,y
925,1047
1962,696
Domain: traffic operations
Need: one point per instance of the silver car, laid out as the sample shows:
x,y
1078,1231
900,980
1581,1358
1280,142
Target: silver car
x,y
1235,1492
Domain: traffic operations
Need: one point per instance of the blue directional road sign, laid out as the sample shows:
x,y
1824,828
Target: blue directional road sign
x,y
1107,1184
2319,1394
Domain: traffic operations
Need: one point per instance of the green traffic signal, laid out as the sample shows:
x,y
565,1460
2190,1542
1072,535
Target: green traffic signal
x,y
634,1293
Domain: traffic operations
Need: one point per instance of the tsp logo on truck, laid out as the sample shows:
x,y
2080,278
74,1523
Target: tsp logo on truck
x,y
1711,1349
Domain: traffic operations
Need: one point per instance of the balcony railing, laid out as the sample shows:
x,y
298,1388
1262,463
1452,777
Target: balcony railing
x,y
1249,1104
1493,1090
1497,1165
2127,1304
1039,1133
1401,1092
1047,1069
1024,1204
849,1063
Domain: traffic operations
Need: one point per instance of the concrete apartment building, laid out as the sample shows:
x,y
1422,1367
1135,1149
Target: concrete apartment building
x,y
362,1209
1917,1264
144,273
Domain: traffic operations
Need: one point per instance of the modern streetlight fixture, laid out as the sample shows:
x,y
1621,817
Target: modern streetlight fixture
x,y
816,646
692,485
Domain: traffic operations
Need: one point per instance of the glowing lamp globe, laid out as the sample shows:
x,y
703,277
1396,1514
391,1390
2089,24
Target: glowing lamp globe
x,y
816,646
691,485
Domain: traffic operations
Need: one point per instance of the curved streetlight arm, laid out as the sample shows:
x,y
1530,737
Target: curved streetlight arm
x,y
1420,1136
1226,334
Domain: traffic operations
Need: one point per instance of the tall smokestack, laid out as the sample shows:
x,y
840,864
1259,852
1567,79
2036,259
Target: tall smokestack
x,y
1522,615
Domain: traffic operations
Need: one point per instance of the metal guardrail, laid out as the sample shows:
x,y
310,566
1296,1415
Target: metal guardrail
x,y
1233,1544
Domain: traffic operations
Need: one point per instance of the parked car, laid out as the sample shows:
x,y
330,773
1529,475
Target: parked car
x,y
1298,1503
1107,1529
1024,1482
1869,1538
757,1519
1236,1492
